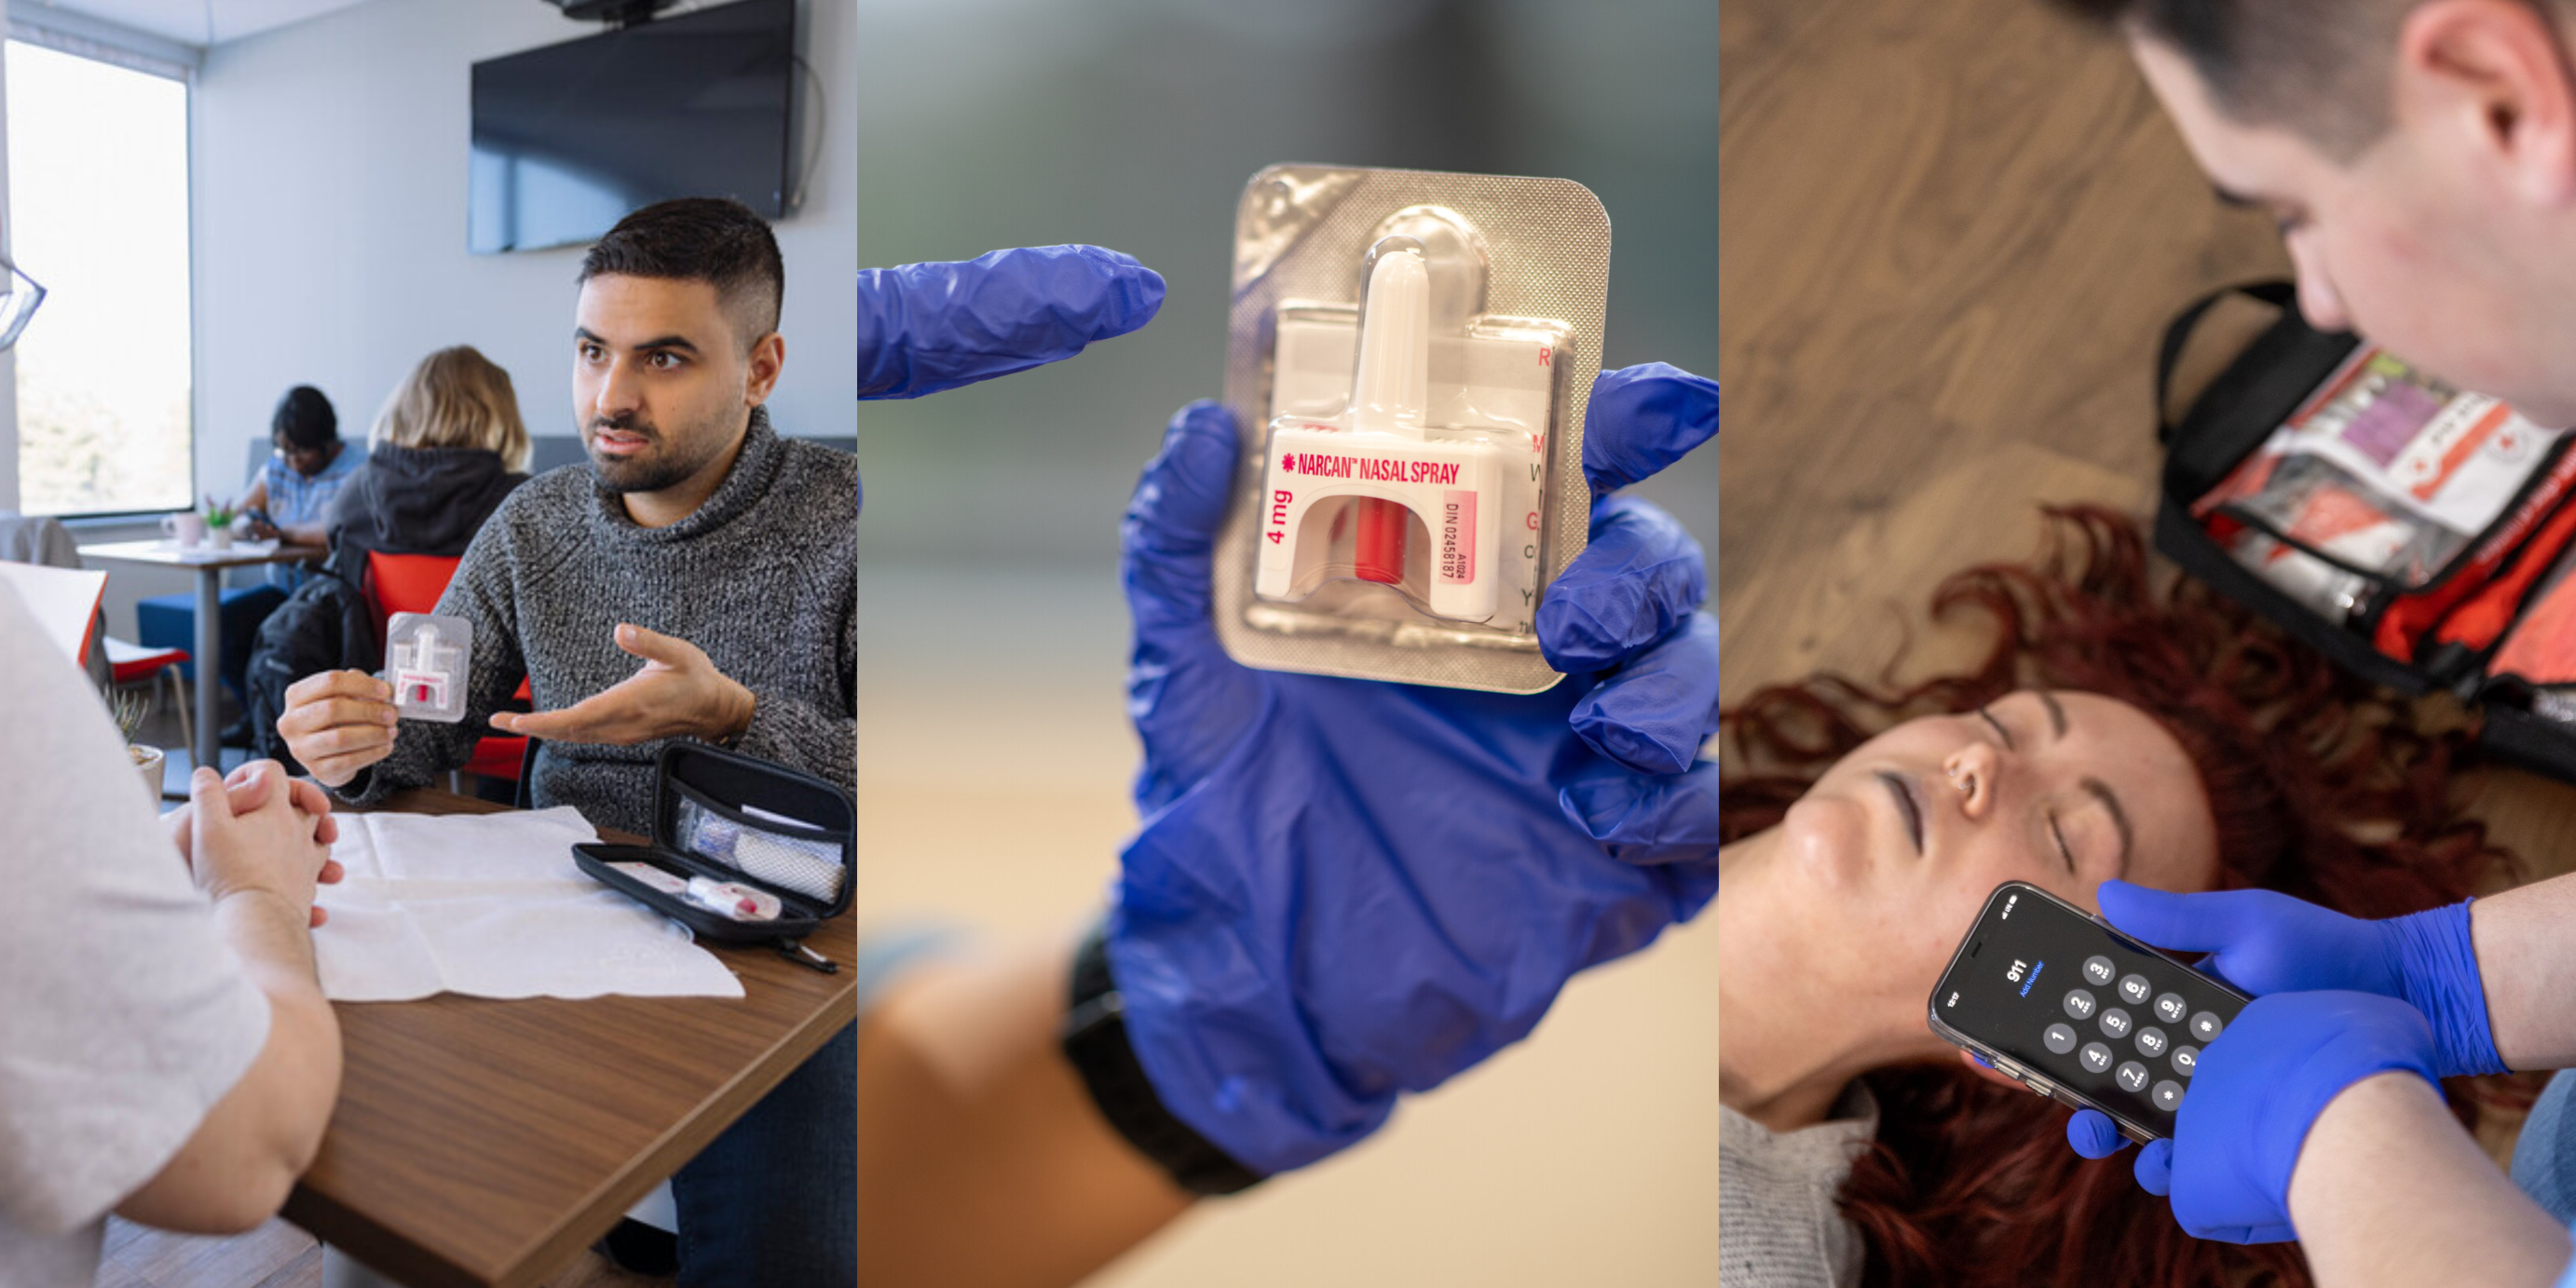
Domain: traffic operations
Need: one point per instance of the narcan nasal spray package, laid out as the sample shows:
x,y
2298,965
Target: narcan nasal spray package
x,y
425,660
1409,356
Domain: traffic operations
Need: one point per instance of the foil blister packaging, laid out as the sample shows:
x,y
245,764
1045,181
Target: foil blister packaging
x,y
1410,354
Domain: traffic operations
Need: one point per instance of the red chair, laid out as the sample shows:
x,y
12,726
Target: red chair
x,y
413,584
132,664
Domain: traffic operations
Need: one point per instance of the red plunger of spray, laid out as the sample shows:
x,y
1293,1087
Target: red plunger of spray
x,y
1388,395
1380,552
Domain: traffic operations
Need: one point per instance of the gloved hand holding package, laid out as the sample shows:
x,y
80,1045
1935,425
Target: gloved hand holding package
x,y
1346,889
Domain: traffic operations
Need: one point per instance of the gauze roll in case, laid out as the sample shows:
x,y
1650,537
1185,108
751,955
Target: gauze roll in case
x,y
1410,354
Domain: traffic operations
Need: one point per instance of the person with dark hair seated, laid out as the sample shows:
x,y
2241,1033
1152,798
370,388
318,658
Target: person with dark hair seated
x,y
295,487
697,579
446,449
2420,157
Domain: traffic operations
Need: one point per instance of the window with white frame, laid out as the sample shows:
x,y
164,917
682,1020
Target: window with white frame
x,y
98,214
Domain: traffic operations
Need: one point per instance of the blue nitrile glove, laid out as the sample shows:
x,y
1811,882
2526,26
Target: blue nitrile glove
x,y
2260,1087
1345,889
924,328
2263,941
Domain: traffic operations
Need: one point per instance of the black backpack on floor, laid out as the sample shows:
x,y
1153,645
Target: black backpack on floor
x,y
326,625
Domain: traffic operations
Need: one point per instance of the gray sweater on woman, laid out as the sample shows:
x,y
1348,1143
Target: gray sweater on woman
x,y
1777,1222
763,577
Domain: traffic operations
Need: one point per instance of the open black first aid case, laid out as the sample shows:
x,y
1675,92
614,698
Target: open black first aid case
x,y
743,851
2417,534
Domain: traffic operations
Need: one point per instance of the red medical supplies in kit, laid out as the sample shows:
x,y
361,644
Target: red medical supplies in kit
x,y
2418,534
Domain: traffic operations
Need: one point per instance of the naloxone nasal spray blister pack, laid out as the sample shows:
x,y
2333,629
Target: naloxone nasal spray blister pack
x,y
425,660
1409,355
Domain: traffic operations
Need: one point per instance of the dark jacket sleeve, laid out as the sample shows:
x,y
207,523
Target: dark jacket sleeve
x,y
349,500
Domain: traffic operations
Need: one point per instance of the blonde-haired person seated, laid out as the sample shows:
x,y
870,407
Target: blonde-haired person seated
x,y
444,451
448,445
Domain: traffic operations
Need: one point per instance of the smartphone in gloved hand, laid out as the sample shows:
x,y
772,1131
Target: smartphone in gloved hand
x,y
2077,1011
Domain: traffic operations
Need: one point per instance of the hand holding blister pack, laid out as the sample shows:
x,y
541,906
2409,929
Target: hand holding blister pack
x,y
426,657
1419,348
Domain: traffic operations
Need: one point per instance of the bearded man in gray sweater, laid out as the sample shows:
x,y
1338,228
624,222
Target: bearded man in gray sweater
x,y
697,579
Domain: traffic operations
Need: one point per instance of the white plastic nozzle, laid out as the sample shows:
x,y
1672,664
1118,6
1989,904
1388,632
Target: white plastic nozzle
x,y
1393,384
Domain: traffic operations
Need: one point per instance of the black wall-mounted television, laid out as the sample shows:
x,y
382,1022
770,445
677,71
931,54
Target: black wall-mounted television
x,y
569,138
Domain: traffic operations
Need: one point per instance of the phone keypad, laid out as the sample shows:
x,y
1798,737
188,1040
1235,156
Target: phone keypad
x,y
2151,1041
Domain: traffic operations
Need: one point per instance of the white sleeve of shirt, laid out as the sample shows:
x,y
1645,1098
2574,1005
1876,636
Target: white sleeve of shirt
x,y
124,1016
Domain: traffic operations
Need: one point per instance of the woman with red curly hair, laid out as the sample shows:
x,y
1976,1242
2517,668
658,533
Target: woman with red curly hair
x,y
2122,725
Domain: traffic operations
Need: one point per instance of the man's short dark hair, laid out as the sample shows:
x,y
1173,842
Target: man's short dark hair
x,y
304,420
714,240
2321,68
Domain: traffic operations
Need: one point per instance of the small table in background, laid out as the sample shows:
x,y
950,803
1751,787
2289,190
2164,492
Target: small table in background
x,y
209,565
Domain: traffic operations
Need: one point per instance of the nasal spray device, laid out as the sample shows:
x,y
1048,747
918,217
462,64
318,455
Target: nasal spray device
x,y
1419,350
426,656
1377,493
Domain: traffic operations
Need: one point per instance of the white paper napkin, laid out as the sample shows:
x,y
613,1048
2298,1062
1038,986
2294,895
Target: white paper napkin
x,y
491,905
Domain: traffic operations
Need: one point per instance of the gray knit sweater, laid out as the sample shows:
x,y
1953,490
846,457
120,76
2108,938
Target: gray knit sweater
x,y
763,577
1777,1223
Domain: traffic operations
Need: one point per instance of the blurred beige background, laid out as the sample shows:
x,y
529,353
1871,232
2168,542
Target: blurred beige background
x,y
993,792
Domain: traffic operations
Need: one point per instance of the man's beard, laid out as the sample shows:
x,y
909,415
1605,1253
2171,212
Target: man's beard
x,y
658,467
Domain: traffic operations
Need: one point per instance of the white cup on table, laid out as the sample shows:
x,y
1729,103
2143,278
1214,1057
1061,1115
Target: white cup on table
x,y
188,529
148,762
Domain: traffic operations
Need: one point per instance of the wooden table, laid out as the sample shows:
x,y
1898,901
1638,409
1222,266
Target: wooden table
x,y
209,565
486,1143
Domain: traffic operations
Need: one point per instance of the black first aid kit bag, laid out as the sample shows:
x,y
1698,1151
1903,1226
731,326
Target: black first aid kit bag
x,y
2416,533
743,851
